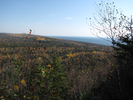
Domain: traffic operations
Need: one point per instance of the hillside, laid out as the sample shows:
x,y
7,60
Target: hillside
x,y
86,64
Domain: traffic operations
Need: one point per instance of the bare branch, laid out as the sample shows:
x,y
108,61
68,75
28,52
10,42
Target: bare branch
x,y
107,21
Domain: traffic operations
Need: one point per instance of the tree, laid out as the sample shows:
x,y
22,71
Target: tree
x,y
113,24
125,60
108,22
125,43
58,85
49,82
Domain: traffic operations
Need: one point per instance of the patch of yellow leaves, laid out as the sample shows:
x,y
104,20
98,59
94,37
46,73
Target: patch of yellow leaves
x,y
48,65
24,96
23,82
16,87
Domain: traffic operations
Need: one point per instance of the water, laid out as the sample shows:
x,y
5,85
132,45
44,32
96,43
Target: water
x,y
95,40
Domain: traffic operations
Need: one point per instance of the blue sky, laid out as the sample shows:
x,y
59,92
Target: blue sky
x,y
52,17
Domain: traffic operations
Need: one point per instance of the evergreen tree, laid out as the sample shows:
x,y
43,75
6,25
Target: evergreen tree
x,y
49,82
124,51
58,86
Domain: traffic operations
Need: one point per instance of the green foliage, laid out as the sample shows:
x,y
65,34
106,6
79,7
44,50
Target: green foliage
x,y
124,57
50,84
58,80
124,47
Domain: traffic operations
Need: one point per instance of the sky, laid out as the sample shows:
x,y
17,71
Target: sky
x,y
52,17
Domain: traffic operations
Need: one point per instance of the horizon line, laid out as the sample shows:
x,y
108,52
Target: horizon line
x,y
52,35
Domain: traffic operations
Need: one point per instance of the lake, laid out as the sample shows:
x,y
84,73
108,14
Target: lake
x,y
95,40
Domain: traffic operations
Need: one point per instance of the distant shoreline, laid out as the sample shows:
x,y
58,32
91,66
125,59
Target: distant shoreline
x,y
95,40
84,39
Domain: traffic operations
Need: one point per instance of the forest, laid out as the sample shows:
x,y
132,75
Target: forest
x,y
34,67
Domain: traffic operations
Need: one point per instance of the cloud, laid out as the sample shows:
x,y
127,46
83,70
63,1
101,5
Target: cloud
x,y
68,17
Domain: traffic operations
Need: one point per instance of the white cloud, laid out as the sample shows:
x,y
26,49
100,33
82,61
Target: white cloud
x,y
68,17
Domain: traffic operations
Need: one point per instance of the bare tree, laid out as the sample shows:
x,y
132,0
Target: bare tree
x,y
108,22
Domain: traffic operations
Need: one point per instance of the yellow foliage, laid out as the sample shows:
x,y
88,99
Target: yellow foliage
x,y
39,38
23,82
42,71
68,55
94,52
48,65
40,58
24,96
16,87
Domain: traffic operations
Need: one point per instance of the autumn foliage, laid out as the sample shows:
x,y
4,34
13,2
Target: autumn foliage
x,y
43,68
